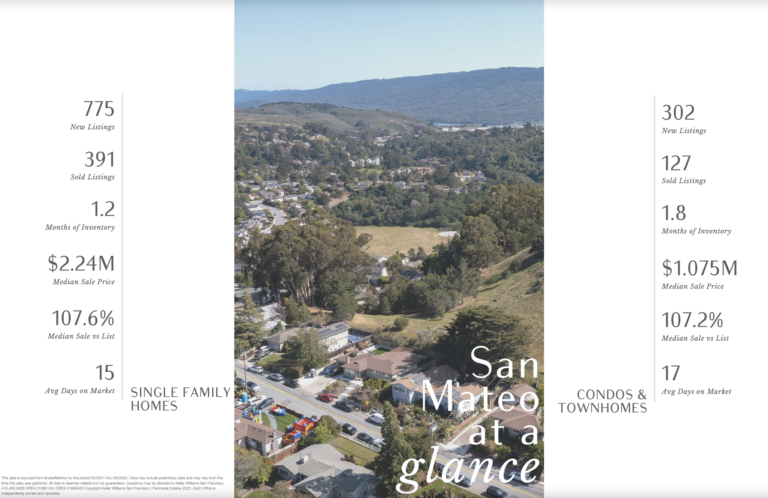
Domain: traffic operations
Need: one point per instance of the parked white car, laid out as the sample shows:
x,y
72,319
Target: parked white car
x,y
518,477
376,418
256,400
255,369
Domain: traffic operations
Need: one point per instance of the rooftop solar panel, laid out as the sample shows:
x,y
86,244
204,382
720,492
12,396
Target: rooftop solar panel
x,y
419,379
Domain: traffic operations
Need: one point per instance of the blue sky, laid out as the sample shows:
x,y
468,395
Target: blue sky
x,y
303,45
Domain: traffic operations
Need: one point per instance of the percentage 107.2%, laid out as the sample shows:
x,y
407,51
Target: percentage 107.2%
x,y
684,319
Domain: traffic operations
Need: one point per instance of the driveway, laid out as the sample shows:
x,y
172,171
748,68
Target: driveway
x,y
313,385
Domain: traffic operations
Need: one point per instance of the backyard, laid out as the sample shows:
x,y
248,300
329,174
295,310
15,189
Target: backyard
x,y
363,456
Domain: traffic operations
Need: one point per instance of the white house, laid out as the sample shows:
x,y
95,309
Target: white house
x,y
411,389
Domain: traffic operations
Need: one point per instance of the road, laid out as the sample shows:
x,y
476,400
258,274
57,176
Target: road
x,y
280,217
306,403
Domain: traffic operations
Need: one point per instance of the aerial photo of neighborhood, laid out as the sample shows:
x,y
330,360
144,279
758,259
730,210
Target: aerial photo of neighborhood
x,y
383,231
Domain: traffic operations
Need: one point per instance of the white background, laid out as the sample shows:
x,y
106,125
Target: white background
x,y
604,64
173,62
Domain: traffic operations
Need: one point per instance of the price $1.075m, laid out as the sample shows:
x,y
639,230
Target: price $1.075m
x,y
701,267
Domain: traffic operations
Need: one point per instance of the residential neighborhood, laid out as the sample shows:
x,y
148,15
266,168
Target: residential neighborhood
x,y
364,261
278,413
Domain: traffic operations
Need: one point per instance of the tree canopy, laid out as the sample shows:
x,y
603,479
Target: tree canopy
x,y
503,334
396,450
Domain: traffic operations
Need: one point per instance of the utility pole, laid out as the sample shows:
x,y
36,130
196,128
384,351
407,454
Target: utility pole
x,y
432,428
245,375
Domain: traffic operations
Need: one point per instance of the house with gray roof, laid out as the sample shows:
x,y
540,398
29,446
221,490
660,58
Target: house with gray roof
x,y
411,274
332,337
255,436
276,342
320,471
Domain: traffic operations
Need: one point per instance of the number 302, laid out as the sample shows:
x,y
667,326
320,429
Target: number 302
x,y
677,112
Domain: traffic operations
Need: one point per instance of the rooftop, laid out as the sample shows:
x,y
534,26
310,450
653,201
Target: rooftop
x,y
332,329
283,336
320,458
258,432
392,362
517,419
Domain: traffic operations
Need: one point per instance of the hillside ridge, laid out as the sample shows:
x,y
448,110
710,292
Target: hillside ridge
x,y
510,95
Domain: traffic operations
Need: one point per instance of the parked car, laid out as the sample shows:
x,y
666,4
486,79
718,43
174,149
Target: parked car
x,y
379,442
257,400
518,477
239,382
464,481
376,418
267,403
439,466
253,390
342,405
291,383
347,406
252,384
325,397
348,429
275,377
255,369
495,492
365,438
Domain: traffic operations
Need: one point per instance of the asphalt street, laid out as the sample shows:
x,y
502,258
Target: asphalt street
x,y
307,404
280,217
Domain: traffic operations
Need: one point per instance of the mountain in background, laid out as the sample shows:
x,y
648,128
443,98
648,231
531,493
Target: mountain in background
x,y
509,95
335,117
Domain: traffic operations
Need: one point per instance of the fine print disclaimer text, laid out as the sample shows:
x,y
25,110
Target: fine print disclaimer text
x,y
63,485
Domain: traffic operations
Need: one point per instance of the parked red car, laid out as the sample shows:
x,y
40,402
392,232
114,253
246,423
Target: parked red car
x,y
325,397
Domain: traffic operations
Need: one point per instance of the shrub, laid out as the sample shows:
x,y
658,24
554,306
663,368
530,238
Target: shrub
x,y
503,452
483,449
376,384
400,323
506,274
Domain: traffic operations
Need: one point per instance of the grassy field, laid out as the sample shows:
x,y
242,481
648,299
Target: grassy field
x,y
513,294
265,420
362,173
290,368
259,494
284,421
388,240
363,456
440,485
274,357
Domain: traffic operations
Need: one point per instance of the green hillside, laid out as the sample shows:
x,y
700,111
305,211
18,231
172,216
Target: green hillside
x,y
335,117
507,95
521,294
